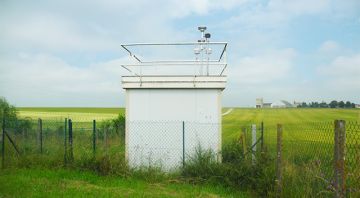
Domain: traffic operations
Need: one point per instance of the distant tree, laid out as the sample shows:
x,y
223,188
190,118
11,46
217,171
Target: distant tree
x,y
333,104
348,104
7,110
312,105
353,105
323,105
304,105
341,104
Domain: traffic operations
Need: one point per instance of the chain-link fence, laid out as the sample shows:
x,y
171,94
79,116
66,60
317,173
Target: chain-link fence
x,y
314,158
169,144
352,157
166,144
59,142
318,158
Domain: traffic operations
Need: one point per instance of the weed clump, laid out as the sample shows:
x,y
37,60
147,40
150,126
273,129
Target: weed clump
x,y
234,171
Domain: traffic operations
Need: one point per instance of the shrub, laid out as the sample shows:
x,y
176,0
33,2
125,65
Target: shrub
x,y
235,171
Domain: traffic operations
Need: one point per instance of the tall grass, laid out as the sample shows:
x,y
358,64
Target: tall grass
x,y
234,171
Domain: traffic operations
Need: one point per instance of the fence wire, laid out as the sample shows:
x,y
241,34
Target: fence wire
x,y
352,158
308,148
49,141
170,144
308,155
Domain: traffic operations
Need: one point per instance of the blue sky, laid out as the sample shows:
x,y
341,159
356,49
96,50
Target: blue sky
x,y
67,53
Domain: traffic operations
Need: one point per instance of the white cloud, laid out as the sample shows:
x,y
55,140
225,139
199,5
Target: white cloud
x,y
298,7
182,8
343,72
49,32
43,77
277,13
45,31
329,46
263,68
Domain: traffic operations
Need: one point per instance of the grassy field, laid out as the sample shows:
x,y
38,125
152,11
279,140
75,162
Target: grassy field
x,y
308,136
76,114
231,122
287,117
72,183
242,115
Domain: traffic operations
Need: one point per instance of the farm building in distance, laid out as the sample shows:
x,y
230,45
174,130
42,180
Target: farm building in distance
x,y
173,103
279,104
260,103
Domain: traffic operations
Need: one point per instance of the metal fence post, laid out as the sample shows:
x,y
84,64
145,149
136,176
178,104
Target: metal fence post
x,y
40,135
183,132
253,145
65,139
106,138
244,142
3,142
279,161
262,137
71,155
339,158
94,137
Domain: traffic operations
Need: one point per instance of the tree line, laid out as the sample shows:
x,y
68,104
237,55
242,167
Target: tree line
x,y
332,104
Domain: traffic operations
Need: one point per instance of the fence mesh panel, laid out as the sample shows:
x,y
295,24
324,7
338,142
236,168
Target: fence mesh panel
x,y
308,154
310,144
308,148
169,144
352,158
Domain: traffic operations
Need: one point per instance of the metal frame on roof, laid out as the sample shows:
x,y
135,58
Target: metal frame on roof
x,y
221,61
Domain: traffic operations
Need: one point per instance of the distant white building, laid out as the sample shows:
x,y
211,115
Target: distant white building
x,y
259,102
279,104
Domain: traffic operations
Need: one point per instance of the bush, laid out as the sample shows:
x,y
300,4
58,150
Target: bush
x,y
235,171
8,111
112,127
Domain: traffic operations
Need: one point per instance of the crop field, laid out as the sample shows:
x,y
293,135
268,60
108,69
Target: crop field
x,y
76,114
231,122
308,137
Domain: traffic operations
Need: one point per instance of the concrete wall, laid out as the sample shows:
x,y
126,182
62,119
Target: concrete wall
x,y
154,118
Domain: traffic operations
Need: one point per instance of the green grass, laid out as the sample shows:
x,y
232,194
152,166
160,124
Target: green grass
x,y
271,117
303,142
76,114
238,115
74,109
73,183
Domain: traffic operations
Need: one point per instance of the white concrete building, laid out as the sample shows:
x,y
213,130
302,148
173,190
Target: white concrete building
x,y
259,102
169,115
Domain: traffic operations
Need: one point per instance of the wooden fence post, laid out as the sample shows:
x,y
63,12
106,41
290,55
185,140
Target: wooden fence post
x,y
279,161
339,158
40,135
254,141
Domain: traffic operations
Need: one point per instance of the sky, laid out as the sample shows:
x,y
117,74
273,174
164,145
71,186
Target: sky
x,y
68,53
